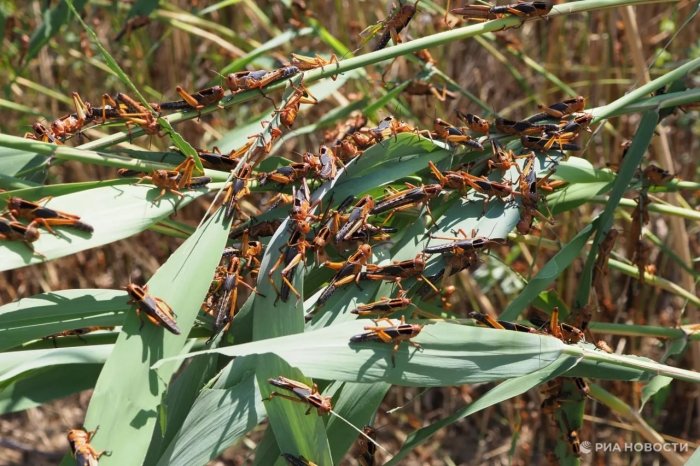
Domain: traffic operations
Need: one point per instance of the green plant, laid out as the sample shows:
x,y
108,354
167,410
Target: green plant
x,y
153,408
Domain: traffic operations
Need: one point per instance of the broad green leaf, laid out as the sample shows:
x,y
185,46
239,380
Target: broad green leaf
x,y
21,166
17,365
655,385
397,152
115,212
47,384
298,429
272,316
49,313
127,396
451,354
337,308
575,195
577,170
38,192
182,394
218,418
8,182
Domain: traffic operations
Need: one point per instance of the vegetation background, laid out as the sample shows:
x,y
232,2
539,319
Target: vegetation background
x,y
601,54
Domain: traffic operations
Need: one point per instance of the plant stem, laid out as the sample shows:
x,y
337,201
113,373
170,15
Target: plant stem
x,y
396,51
654,207
628,269
90,156
640,331
606,111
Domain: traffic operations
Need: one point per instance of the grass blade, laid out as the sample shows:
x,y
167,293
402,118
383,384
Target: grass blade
x,y
631,162
452,354
122,212
127,395
45,314
504,391
219,417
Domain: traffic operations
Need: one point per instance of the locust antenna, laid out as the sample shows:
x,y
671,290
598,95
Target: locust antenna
x,y
363,434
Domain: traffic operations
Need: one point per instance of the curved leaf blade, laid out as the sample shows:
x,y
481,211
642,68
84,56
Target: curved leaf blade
x,y
45,385
219,417
502,392
298,429
128,393
115,212
451,354
49,313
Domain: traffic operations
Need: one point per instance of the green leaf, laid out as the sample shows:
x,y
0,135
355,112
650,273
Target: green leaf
x,y
182,145
49,313
9,182
405,154
128,393
575,195
21,165
631,162
502,392
549,272
655,385
181,396
47,384
273,317
599,364
297,429
218,418
38,192
115,212
18,365
451,354
576,170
